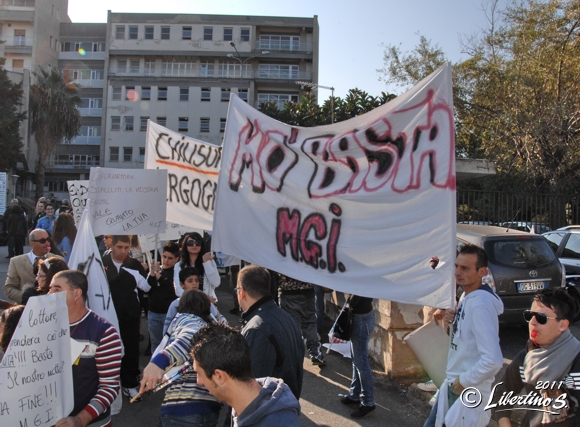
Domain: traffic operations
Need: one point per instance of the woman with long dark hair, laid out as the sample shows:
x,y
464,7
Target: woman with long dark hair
x,y
64,232
195,253
45,270
186,403
8,322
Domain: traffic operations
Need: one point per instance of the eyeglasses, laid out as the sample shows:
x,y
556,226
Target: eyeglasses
x,y
541,318
193,243
41,276
42,241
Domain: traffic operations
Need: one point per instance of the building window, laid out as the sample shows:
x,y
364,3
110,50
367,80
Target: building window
x,y
222,125
149,31
205,94
17,63
165,33
208,33
133,32
117,90
113,154
245,34
141,154
134,66
226,94
97,74
279,99
143,126
121,65
99,47
184,94
149,69
162,121
127,154
274,71
129,93
145,93
243,94
206,70
228,34
186,33
120,32
204,124
115,122
162,94
183,124
280,42
19,37
128,122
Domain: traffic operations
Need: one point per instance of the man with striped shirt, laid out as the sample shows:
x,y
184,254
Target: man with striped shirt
x,y
96,370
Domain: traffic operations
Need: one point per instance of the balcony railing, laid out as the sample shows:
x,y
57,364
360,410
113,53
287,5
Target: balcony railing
x,y
19,3
283,46
17,41
86,140
205,73
94,112
90,83
86,55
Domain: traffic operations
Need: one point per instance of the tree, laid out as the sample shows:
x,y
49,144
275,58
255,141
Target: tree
x,y
54,116
308,113
10,119
517,97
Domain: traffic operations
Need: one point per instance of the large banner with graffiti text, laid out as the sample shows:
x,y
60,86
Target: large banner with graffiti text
x,y
192,174
358,206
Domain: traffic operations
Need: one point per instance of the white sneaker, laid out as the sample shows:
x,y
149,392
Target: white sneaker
x,y
428,386
131,393
433,399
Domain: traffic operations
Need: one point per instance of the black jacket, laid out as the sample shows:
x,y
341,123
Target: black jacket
x,y
275,344
123,285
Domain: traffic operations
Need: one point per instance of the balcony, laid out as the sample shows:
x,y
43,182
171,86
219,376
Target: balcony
x,y
90,83
17,44
283,75
86,140
283,46
91,112
208,73
87,55
19,3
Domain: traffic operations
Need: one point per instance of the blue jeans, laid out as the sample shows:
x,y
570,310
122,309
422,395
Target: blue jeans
x,y
193,420
452,397
155,323
361,387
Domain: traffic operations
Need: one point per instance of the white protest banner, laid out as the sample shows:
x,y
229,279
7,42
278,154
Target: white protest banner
x,y
128,201
192,168
3,192
358,206
78,192
36,371
85,257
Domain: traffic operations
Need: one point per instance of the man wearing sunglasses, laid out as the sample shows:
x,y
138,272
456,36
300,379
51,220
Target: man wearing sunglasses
x,y
20,271
548,368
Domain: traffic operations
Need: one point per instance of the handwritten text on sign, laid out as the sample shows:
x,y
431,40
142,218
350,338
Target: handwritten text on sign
x,y
78,192
128,201
36,373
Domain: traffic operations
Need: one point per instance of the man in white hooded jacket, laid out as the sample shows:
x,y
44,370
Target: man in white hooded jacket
x,y
474,352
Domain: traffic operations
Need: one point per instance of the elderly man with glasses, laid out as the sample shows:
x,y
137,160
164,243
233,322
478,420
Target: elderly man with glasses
x,y
20,271
548,369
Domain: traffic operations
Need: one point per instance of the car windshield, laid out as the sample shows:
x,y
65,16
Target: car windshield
x,y
528,253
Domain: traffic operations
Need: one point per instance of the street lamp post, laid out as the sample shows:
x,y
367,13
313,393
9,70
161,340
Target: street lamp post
x,y
314,86
243,61
14,181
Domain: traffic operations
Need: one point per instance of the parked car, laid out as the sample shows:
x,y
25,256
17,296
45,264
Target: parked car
x,y
529,227
520,264
565,242
476,222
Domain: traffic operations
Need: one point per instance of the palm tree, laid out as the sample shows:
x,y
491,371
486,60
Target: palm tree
x,y
54,116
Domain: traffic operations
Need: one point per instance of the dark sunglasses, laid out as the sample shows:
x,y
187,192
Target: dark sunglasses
x,y
42,241
541,318
193,242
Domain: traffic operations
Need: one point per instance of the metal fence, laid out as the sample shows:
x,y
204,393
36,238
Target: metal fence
x,y
492,208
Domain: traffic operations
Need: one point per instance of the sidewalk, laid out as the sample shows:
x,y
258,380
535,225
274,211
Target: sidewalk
x,y
320,391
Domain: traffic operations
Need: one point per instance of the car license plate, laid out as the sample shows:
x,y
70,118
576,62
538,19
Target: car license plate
x,y
531,286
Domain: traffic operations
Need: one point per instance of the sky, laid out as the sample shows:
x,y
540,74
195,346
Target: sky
x,y
353,34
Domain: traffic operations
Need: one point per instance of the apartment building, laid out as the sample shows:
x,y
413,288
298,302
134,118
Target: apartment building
x,y
179,71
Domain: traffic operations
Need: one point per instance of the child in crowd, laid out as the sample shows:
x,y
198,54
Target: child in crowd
x,y
189,279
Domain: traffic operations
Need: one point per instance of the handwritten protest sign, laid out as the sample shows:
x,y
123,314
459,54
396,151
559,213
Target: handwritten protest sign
x,y
192,167
359,206
36,371
78,192
128,201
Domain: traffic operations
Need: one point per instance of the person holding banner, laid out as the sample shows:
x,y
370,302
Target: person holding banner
x,y
186,403
194,253
125,275
96,371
